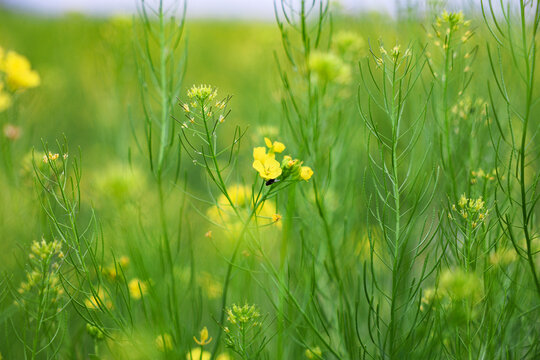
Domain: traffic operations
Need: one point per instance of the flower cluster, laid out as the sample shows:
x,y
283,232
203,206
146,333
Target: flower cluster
x,y
466,109
472,210
50,157
449,29
246,327
42,278
203,115
202,92
272,170
394,56
243,316
482,175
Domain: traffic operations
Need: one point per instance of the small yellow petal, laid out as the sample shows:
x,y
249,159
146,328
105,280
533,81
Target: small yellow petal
x,y
278,147
306,172
268,142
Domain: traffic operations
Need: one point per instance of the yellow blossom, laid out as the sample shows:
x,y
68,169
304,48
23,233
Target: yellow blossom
x,y
19,74
276,217
137,288
205,339
198,354
268,168
306,173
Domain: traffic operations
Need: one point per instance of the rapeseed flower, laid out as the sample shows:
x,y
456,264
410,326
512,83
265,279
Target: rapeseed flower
x,y
204,339
137,288
19,74
306,173
198,354
268,168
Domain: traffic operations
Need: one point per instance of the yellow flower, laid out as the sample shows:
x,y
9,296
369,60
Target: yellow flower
x,y
223,356
205,339
123,261
198,354
137,288
164,342
276,217
19,74
100,298
276,146
306,173
268,168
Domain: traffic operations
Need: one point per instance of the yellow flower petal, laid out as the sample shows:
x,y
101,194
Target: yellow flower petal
x,y
268,142
278,147
259,153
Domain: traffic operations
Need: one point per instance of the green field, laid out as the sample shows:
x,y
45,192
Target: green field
x,y
322,186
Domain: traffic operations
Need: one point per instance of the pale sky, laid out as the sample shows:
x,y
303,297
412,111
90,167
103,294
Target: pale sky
x,y
196,8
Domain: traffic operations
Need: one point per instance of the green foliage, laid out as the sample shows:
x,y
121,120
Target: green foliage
x,y
364,193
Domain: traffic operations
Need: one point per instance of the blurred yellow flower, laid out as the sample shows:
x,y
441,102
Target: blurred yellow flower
x,y
137,288
223,356
164,342
19,74
198,354
101,298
